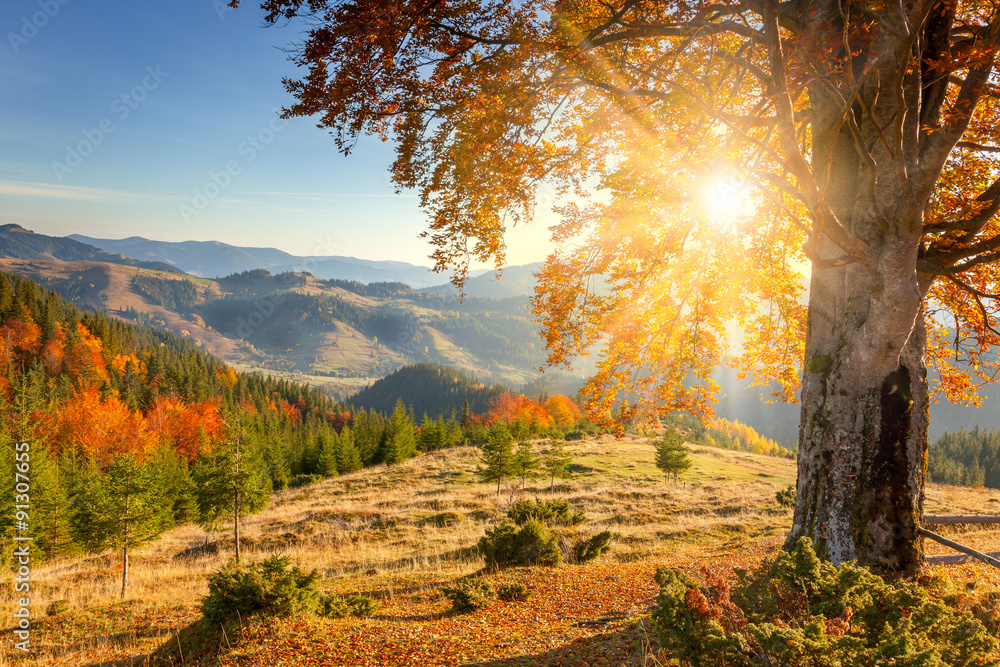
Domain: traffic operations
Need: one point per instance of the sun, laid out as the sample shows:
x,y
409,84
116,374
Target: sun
x,y
723,203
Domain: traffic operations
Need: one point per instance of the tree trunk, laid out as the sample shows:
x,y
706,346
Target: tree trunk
x,y
863,430
124,570
127,518
236,526
236,500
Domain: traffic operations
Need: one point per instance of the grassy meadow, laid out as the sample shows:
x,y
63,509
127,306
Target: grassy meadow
x,y
398,534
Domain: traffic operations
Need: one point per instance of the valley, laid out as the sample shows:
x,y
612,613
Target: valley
x,y
336,335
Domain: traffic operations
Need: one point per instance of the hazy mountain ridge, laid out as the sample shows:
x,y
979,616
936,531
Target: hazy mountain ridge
x,y
16,242
214,259
337,334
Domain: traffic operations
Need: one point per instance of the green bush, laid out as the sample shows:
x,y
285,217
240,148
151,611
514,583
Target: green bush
x,y
513,592
800,610
587,550
269,586
551,512
57,607
470,594
575,435
339,606
786,497
531,544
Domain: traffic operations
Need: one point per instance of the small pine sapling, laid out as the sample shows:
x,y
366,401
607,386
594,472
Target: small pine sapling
x,y
672,455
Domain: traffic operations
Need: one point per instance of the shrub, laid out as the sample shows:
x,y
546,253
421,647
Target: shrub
x,y
799,610
786,497
587,550
470,595
575,435
531,544
339,606
552,512
269,586
513,592
57,607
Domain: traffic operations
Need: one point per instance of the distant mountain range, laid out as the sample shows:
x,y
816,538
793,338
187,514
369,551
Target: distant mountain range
x,y
489,334
16,242
213,259
512,281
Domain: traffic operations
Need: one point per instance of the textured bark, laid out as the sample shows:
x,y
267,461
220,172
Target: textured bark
x,y
863,429
863,458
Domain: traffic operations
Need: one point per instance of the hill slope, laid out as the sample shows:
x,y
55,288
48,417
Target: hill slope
x,y
398,534
333,333
16,242
428,388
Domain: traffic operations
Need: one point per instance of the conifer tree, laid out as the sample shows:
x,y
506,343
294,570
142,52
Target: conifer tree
x,y
120,508
51,484
466,413
328,444
525,461
178,488
498,455
671,455
368,427
348,457
399,440
232,482
555,461
428,434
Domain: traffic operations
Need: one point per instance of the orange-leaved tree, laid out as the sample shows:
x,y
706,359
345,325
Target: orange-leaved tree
x,y
101,428
563,412
510,409
191,428
822,173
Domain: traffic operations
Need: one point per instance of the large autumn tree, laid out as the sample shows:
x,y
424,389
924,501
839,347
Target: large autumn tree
x,y
712,162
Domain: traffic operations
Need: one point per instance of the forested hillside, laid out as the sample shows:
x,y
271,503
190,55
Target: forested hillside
x,y
334,334
429,388
966,458
118,416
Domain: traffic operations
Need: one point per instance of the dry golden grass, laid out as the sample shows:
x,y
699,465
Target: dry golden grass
x,y
413,526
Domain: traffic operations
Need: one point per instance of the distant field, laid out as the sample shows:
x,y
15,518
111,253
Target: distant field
x,y
400,533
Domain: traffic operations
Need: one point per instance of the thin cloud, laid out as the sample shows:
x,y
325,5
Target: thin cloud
x,y
72,192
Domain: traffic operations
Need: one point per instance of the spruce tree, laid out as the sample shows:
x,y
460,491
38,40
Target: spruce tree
x,y
498,455
232,482
399,440
328,444
525,461
555,461
348,457
51,485
120,509
671,455
179,491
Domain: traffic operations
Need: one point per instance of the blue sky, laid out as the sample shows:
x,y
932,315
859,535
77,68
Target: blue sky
x,y
158,119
